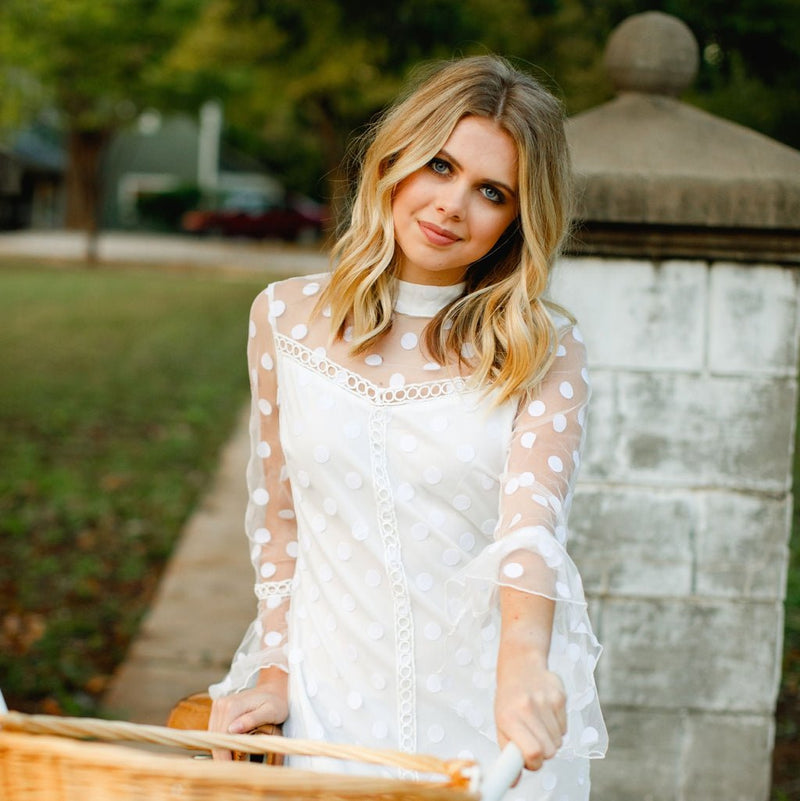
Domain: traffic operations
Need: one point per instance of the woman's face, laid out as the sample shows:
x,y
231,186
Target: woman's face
x,y
451,212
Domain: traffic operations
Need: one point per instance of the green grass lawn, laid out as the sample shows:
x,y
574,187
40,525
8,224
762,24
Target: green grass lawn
x,y
118,388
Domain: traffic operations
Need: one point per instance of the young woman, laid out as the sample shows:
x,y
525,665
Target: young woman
x,y
417,423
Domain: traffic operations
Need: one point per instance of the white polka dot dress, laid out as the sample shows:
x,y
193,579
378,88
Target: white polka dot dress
x,y
389,499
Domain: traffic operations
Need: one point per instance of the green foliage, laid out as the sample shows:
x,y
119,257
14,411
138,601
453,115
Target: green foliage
x,y
118,390
750,55
95,63
305,76
96,59
299,79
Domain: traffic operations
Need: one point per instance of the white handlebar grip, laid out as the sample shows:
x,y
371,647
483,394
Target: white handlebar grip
x,y
502,774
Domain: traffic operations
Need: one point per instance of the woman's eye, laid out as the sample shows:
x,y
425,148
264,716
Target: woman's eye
x,y
440,166
490,193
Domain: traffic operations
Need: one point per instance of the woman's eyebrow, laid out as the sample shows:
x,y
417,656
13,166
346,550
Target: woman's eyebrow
x,y
454,161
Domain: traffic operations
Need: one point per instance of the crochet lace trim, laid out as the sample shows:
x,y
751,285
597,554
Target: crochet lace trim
x,y
403,622
357,384
273,589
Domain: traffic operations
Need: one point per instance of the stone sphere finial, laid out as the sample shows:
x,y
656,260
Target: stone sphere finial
x,y
652,52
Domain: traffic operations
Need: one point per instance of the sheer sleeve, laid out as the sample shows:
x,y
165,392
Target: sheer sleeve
x,y
529,548
270,518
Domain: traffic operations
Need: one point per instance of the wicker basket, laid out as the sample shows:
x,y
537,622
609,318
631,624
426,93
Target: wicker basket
x,y
37,766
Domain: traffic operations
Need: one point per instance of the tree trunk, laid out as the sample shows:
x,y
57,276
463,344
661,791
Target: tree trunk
x,y
83,185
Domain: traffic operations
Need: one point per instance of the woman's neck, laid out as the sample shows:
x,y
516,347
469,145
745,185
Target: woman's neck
x,y
424,300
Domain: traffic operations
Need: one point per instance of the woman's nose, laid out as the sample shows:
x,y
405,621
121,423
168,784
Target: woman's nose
x,y
451,200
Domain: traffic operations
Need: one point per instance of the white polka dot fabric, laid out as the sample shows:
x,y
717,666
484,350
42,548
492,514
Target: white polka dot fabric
x,y
388,501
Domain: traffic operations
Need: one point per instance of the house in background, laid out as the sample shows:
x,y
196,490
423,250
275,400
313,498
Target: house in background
x,y
10,189
154,154
170,153
32,180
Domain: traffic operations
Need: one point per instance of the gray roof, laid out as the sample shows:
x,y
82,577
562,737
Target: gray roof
x,y
41,148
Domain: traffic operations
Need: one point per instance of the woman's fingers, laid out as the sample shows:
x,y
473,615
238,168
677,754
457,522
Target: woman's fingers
x,y
535,721
534,741
264,713
226,713
218,722
242,712
550,729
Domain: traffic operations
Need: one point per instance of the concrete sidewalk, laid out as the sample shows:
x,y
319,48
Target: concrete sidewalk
x,y
277,258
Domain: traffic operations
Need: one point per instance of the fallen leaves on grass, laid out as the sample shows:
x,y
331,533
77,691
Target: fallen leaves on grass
x,y
20,631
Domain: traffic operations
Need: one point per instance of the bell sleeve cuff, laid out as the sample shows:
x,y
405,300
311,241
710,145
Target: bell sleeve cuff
x,y
531,559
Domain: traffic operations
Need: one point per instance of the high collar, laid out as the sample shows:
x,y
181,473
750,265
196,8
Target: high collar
x,y
424,300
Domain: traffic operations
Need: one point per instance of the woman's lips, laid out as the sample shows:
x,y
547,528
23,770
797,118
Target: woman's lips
x,y
436,235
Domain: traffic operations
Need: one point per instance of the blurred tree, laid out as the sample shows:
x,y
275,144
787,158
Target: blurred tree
x,y
299,79
96,63
306,76
750,55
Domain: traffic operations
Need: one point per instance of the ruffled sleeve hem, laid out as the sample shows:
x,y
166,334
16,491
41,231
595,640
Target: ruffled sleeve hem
x,y
532,560
251,657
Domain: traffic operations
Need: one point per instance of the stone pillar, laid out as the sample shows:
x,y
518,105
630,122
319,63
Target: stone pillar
x,y
685,277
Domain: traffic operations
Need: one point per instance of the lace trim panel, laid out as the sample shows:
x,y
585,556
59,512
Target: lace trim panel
x,y
403,622
382,396
273,589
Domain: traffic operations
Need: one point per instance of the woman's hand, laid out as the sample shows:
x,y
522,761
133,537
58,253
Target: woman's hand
x,y
267,702
530,703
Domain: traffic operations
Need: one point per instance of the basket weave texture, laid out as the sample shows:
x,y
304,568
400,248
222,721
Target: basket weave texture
x,y
40,767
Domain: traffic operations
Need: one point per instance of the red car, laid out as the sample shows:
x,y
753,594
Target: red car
x,y
253,215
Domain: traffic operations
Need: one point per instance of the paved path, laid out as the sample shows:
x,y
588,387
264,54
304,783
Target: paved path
x,y
205,598
277,258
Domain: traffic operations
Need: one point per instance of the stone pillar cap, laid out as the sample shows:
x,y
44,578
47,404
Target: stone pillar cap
x,y
652,52
646,158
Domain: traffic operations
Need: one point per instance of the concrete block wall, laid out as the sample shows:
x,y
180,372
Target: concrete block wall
x,y
682,517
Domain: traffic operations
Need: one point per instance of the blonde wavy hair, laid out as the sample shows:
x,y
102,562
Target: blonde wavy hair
x,y
501,312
